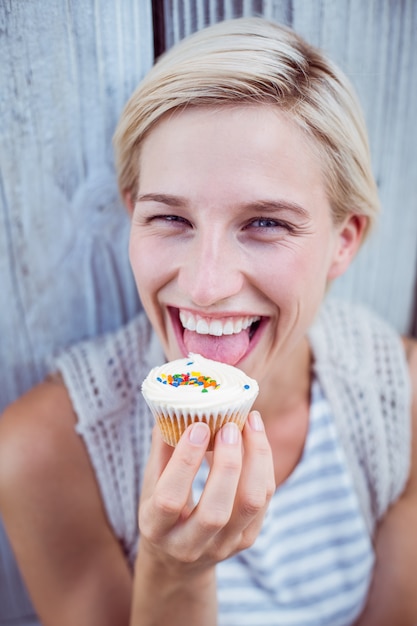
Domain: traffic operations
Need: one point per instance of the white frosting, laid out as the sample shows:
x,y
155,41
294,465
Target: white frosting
x,y
233,387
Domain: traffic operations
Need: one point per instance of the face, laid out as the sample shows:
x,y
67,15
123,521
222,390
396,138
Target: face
x,y
232,241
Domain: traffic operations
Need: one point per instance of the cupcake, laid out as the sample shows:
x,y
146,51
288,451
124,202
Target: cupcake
x,y
197,389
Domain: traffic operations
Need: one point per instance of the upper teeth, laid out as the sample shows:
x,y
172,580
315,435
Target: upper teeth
x,y
218,327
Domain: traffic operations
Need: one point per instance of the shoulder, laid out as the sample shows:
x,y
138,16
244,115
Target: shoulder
x,y
44,464
34,432
51,507
28,425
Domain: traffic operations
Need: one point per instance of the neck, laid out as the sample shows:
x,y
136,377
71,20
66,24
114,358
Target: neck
x,y
286,386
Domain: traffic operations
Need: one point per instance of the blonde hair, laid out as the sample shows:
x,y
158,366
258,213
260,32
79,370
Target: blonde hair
x,y
252,60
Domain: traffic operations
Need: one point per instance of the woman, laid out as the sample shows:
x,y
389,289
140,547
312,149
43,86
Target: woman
x,y
244,163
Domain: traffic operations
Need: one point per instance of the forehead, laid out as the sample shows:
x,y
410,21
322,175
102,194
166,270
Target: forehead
x,y
242,150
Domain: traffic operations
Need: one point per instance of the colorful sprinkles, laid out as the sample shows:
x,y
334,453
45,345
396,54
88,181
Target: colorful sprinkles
x,y
194,379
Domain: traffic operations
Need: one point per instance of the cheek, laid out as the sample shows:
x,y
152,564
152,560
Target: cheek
x,y
151,264
293,273
142,262
284,271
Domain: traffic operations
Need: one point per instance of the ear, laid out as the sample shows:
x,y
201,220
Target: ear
x,y
348,239
128,201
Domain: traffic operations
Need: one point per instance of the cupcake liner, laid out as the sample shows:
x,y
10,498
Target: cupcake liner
x,y
172,424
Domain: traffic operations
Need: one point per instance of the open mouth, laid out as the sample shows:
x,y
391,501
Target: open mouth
x,y
226,339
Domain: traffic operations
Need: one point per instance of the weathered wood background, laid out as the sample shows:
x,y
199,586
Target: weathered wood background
x,y
66,69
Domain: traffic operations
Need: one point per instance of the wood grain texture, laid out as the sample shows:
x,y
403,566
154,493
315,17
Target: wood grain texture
x,y
67,69
374,43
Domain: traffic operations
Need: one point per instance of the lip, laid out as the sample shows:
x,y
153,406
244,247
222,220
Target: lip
x,y
174,314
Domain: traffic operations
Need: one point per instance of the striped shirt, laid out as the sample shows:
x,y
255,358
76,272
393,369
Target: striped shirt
x,y
312,562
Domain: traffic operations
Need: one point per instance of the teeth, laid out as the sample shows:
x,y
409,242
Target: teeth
x,y
237,326
216,327
202,328
188,321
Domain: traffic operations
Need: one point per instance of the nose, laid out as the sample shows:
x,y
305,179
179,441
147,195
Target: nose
x,y
212,270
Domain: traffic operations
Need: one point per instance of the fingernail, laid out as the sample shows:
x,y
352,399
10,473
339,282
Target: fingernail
x,y
198,433
255,421
230,433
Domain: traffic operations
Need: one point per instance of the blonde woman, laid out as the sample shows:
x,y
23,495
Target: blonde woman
x,y
244,163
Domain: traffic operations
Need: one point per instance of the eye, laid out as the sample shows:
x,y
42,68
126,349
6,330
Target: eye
x,y
169,219
267,223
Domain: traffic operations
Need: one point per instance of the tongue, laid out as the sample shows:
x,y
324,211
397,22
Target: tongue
x,y
227,348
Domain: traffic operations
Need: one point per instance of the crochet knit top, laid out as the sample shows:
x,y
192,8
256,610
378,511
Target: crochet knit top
x,y
359,362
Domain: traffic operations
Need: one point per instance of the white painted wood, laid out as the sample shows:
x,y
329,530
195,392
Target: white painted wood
x,y
374,42
66,69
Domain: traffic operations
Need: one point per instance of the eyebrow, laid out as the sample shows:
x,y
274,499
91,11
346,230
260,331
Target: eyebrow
x,y
272,206
260,206
162,198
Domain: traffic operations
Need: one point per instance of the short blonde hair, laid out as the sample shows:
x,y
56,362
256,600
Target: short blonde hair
x,y
252,60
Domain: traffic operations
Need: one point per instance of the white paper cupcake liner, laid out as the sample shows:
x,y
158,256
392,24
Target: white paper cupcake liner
x,y
172,423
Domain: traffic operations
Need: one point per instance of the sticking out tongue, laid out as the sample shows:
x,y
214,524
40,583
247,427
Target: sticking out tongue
x,y
227,348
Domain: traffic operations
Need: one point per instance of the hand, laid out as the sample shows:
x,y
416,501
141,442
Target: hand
x,y
229,514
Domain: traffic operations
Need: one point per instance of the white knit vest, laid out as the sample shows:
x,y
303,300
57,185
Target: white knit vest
x,y
361,364
358,359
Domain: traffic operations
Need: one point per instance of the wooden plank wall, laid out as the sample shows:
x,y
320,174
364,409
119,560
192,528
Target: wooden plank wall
x,y
66,70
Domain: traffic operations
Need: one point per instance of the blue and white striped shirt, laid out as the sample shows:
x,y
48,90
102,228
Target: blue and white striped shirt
x,y
312,562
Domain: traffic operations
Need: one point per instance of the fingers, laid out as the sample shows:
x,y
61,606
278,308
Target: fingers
x,y
229,515
257,483
168,480
217,501
237,492
254,490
